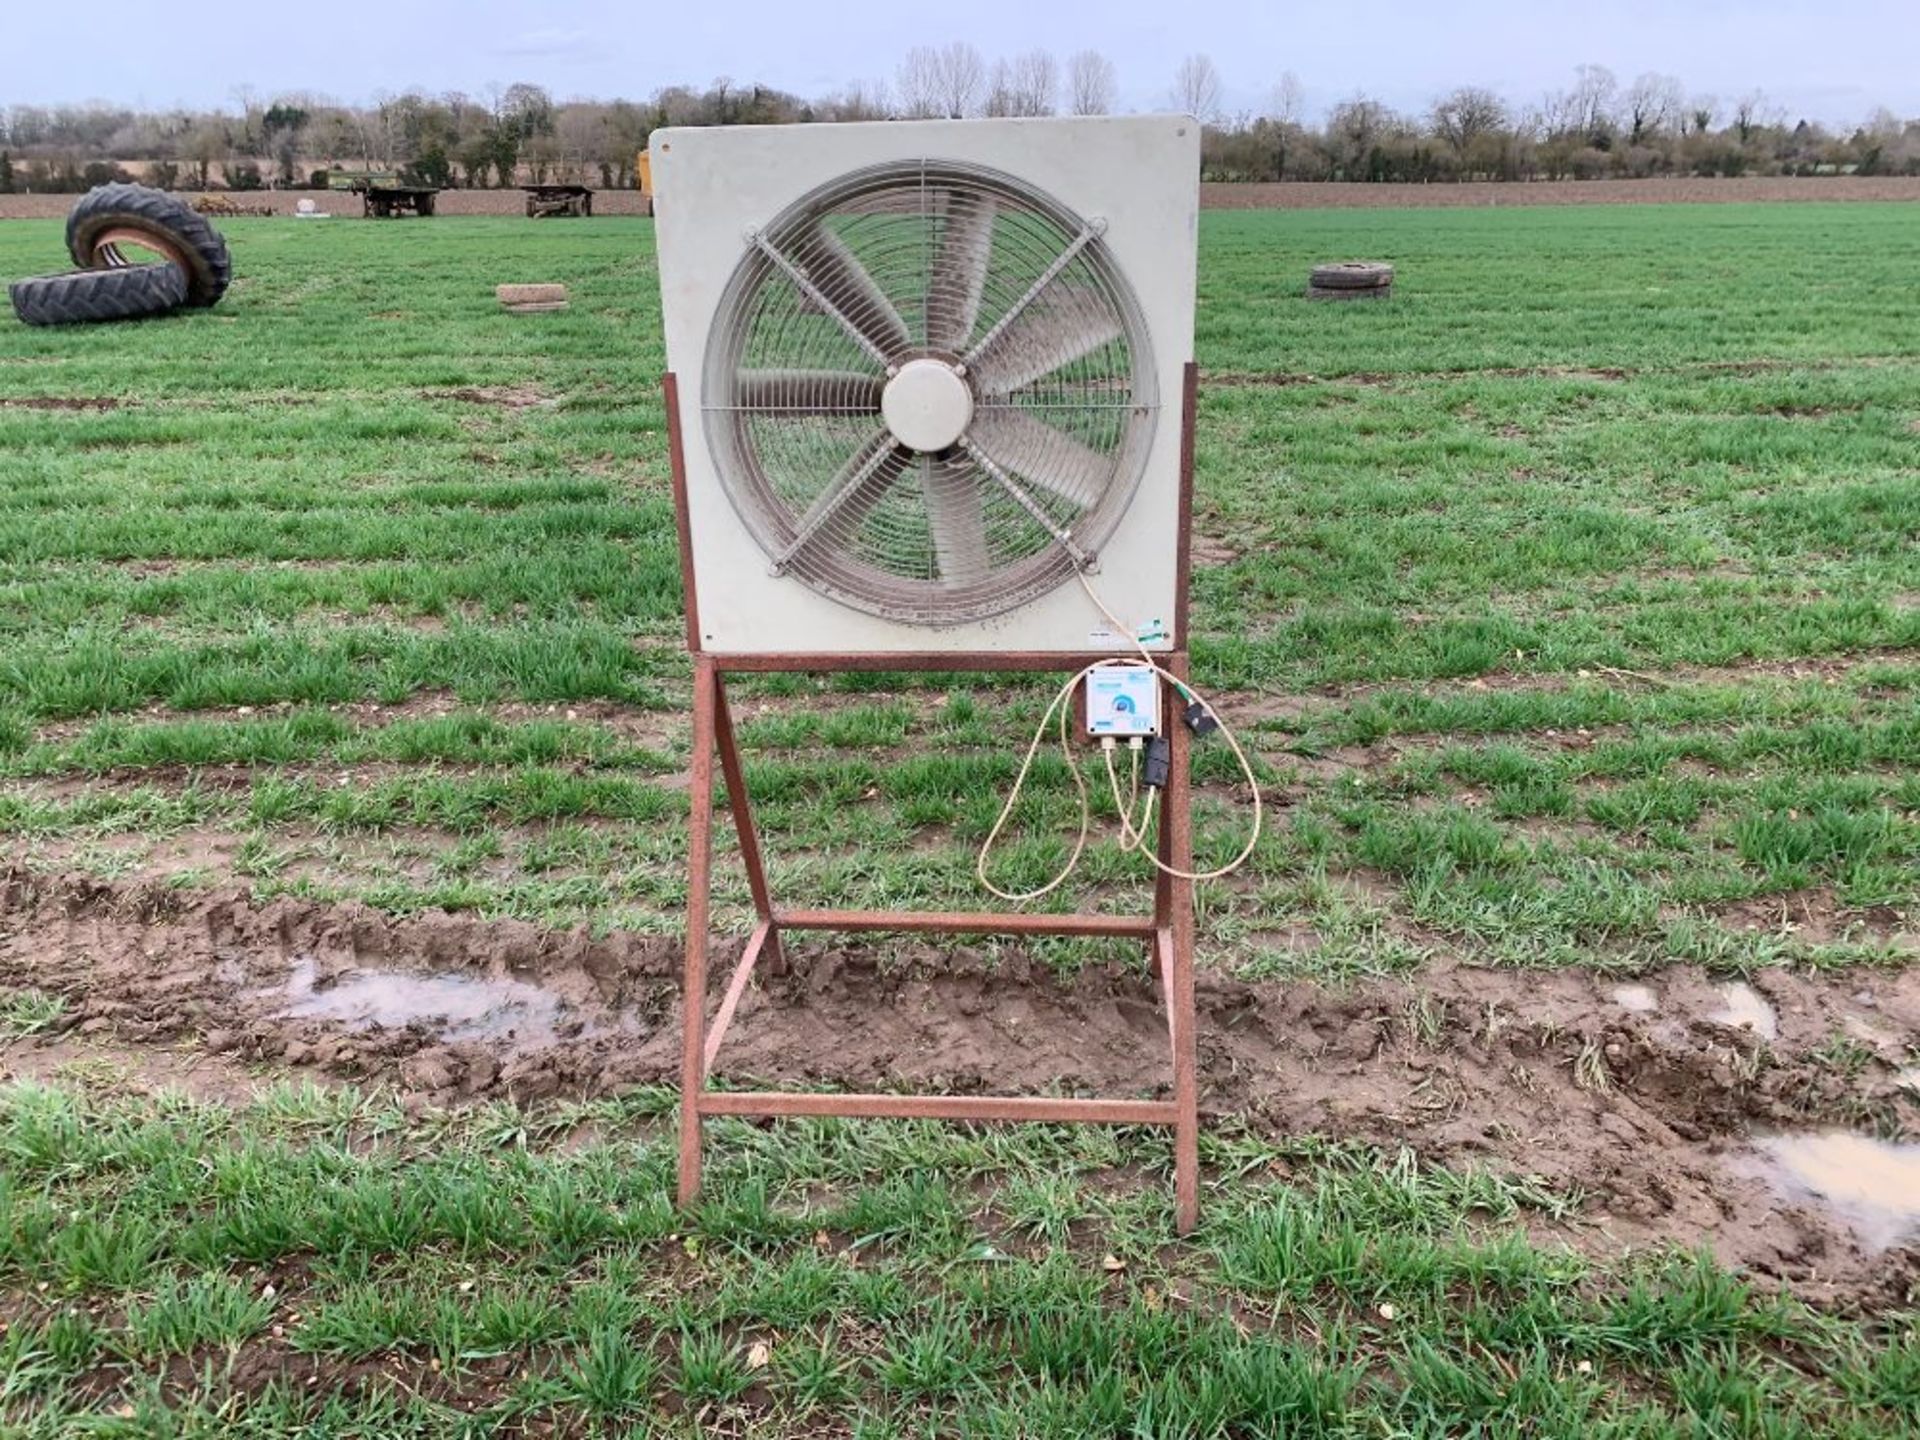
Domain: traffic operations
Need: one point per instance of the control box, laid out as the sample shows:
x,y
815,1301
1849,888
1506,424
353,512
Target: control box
x,y
1123,700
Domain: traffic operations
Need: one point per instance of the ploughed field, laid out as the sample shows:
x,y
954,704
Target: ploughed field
x,y
1560,1048
1290,195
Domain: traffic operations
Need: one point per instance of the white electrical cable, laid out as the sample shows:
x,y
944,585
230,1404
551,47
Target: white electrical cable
x,y
1133,834
1132,837
1020,780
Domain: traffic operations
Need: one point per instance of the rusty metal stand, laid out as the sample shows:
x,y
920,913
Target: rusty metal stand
x,y
1168,932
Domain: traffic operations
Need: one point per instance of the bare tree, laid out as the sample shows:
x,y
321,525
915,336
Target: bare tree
x,y
1463,117
1354,131
1288,104
862,100
1036,80
1702,112
1023,86
1890,143
1883,124
580,142
961,72
1592,102
1753,112
249,141
1196,88
919,83
529,108
379,132
1279,130
206,143
946,80
1653,106
1000,98
332,134
1090,83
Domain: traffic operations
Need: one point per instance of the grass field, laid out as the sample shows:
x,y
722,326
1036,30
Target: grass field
x,y
1571,602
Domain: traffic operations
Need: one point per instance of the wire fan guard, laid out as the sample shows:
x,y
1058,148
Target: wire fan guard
x,y
1022,400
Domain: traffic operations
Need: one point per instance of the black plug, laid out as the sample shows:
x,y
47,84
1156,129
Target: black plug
x,y
1159,762
1200,720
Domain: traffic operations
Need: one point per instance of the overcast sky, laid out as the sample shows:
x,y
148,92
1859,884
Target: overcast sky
x,y
1825,59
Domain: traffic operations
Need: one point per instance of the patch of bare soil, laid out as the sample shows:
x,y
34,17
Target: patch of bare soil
x,y
643,727
1209,550
1308,195
502,397
58,402
1827,669
1289,195
1818,917
1609,374
1647,1097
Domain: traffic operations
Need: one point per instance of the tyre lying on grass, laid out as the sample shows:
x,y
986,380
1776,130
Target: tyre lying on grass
x,y
193,267
85,297
1351,280
109,217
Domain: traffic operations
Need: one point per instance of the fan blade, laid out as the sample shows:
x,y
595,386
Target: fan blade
x,y
810,391
848,497
960,270
1034,450
858,300
956,514
1053,332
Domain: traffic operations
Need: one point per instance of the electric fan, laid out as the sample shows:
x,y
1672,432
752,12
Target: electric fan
x,y
931,360
925,386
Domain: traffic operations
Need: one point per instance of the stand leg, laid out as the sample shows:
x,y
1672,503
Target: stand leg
x,y
1173,905
741,809
693,995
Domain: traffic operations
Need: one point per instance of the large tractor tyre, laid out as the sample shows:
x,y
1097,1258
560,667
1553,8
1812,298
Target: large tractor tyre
x,y
85,297
110,216
1351,275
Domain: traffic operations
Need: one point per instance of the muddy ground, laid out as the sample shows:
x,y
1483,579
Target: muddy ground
x,y
1672,1101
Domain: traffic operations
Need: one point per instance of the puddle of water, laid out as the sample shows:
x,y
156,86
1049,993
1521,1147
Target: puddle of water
x,y
1638,998
1872,1184
1741,1004
463,1006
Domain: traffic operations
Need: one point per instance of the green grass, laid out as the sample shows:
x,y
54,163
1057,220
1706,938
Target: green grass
x,y
1570,602
1540,544
318,1263
29,1012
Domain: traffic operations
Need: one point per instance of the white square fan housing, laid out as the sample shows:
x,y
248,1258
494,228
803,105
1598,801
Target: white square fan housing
x,y
926,370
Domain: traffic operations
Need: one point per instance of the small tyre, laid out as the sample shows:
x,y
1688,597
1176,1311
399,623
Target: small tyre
x,y
1352,275
1372,292
86,297
109,215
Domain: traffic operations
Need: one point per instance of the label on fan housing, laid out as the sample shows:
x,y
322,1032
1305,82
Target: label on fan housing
x,y
1151,632
1123,700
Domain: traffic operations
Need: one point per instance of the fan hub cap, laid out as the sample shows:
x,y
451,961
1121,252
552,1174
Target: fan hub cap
x,y
927,405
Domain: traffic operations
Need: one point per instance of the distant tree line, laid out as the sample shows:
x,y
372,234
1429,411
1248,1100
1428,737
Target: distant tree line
x,y
1596,128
